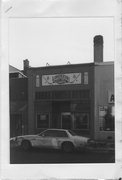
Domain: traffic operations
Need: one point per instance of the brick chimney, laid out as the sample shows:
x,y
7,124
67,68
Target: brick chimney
x,y
25,64
98,48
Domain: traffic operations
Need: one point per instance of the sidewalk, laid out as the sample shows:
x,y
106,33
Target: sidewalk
x,y
102,146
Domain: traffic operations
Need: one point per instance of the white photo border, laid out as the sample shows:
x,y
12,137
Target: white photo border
x,y
59,171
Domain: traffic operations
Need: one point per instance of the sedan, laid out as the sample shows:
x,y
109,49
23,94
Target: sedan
x,y
62,139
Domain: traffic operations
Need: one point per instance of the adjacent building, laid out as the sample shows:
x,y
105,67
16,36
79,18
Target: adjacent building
x,y
18,85
79,97
104,100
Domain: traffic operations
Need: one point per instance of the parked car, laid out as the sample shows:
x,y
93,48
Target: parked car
x,y
65,140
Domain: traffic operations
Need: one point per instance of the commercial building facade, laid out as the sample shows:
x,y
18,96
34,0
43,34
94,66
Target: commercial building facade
x,y
79,97
75,97
61,100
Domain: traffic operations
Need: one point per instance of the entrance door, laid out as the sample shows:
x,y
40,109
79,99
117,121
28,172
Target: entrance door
x,y
58,112
66,120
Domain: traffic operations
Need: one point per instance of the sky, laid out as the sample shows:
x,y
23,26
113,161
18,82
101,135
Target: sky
x,y
59,33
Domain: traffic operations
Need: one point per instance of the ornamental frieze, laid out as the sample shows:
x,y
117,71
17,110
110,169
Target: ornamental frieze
x,y
61,79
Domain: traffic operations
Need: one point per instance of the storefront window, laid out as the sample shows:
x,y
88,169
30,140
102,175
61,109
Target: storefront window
x,y
81,121
42,120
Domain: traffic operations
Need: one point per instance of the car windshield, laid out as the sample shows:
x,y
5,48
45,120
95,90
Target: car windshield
x,y
72,133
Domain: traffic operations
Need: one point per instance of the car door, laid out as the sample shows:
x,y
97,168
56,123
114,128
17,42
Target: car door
x,y
47,139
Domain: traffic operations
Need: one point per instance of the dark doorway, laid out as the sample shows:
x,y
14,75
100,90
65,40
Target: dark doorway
x,y
57,108
66,120
15,125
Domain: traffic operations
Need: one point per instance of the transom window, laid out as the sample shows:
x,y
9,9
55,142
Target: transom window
x,y
75,94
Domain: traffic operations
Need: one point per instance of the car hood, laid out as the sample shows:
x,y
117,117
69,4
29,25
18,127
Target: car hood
x,y
24,137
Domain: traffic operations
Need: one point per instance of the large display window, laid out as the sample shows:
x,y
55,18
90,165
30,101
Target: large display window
x,y
81,121
42,120
75,120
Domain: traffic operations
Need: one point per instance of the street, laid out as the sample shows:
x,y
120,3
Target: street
x,y
36,155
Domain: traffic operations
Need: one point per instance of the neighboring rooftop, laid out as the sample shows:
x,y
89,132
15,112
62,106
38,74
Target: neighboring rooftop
x,y
15,73
12,69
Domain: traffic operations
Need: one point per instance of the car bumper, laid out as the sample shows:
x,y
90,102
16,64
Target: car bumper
x,y
13,144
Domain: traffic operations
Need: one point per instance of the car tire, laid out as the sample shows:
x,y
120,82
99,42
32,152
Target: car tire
x,y
26,145
67,147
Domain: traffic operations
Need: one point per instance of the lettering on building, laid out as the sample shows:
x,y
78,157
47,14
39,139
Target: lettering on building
x,y
61,79
111,98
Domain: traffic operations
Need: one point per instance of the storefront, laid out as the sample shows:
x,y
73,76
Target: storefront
x,y
61,100
65,109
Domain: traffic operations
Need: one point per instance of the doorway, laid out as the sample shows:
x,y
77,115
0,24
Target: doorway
x,y
15,125
66,120
59,115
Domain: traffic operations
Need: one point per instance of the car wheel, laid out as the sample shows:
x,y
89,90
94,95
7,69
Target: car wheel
x,y
26,145
67,147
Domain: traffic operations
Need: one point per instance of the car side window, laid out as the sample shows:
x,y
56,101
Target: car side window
x,y
47,134
54,133
62,134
